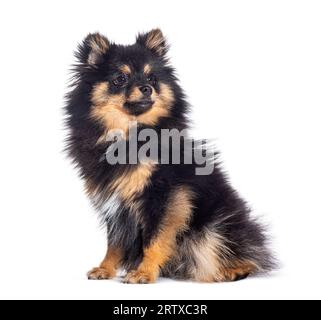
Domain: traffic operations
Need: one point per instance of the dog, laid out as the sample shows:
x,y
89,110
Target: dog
x,y
161,219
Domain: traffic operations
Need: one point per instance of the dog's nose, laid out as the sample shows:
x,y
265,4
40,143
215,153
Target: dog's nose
x,y
146,90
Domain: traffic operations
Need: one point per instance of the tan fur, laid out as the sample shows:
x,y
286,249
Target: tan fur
x,y
147,69
208,255
99,46
212,262
99,95
109,110
155,40
135,95
133,182
108,267
240,269
177,215
161,107
125,69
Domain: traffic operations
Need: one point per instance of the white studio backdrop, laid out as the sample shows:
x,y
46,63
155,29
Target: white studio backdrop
x,y
251,70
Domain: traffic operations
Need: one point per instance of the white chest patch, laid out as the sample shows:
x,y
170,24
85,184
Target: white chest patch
x,y
108,207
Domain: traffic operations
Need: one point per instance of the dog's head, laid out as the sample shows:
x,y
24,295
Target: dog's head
x,y
128,83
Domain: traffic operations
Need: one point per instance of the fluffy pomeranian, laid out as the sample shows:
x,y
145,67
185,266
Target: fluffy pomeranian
x,y
161,219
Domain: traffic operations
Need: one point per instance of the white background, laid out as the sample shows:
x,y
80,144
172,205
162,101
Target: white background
x,y
252,71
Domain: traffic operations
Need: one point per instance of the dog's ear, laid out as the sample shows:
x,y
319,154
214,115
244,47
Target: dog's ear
x,y
93,49
153,40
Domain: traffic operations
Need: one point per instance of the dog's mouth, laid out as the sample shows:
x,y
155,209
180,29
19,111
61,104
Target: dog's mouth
x,y
138,107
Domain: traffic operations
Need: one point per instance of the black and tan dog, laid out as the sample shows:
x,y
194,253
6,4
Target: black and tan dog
x,y
161,219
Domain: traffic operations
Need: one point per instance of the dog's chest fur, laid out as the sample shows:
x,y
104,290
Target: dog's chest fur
x,y
119,205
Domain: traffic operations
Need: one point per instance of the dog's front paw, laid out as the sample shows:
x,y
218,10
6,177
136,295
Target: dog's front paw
x,y
141,276
100,274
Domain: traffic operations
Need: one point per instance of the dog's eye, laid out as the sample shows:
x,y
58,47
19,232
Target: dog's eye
x,y
152,79
120,81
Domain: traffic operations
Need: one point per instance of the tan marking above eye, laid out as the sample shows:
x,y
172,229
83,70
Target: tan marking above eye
x,y
147,69
125,69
